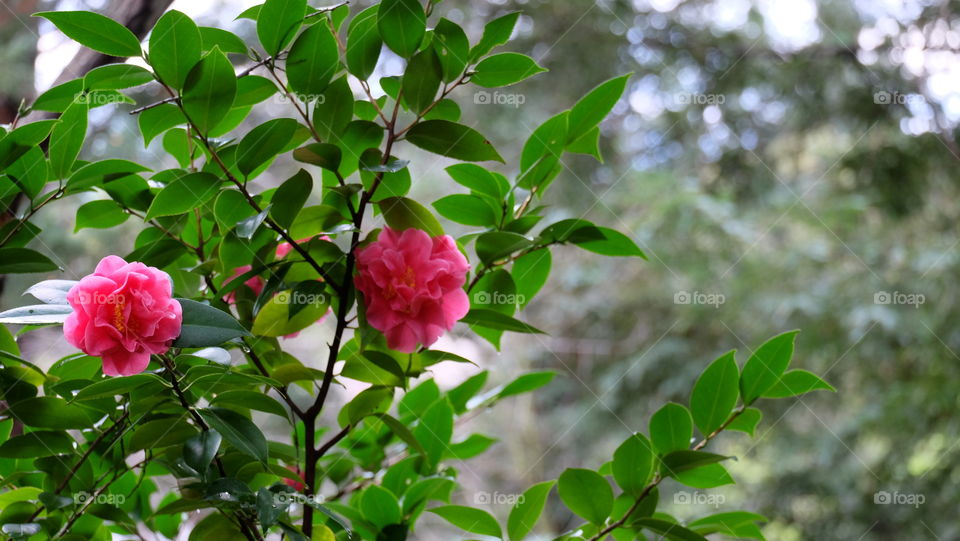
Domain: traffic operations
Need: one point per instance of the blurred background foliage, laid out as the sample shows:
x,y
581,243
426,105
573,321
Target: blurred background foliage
x,y
795,160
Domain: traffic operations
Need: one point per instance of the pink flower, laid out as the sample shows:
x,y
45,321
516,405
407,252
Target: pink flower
x,y
255,283
293,483
123,313
412,286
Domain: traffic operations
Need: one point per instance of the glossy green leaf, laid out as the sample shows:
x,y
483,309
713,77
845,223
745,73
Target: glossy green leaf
x,y
766,365
312,62
100,214
504,69
228,42
669,530
50,412
496,32
67,139
421,80
633,464
524,515
115,386
492,319
274,318
795,383
290,198
452,47
264,142
500,244
526,383
175,45
746,421
586,493
709,476
380,506
323,155
671,428
587,113
24,260
466,209
614,243
715,394
469,519
530,273
676,462
239,431
402,213
332,113
39,314
159,119
363,43
209,90
278,22
205,326
200,450
402,24
452,140
36,444
435,430
184,194
95,31
476,178
116,76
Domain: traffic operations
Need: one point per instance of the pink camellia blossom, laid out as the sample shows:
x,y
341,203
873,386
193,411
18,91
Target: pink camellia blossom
x,y
123,313
255,283
412,286
293,483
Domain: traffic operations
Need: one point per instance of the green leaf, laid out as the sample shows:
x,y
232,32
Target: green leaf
x,y
200,450
586,493
709,476
315,220
370,401
312,62
209,90
473,446
796,382
116,76
497,245
263,143
402,213
380,506
466,209
435,430
205,326
746,421
476,178
50,412
421,80
496,32
274,318
633,464
24,260
452,47
101,173
715,394
766,365
36,444
160,433
332,114
101,214
39,314
95,31
526,383
184,194
19,141
492,319
175,45
228,42
524,515
670,530
676,462
671,428
239,431
402,24
614,243
56,99
278,22
67,139
363,43
290,197
547,140
587,113
530,273
250,399
401,431
739,524
159,119
452,140
115,386
469,519
504,70
323,155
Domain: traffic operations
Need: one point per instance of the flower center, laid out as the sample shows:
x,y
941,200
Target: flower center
x,y
408,279
118,315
